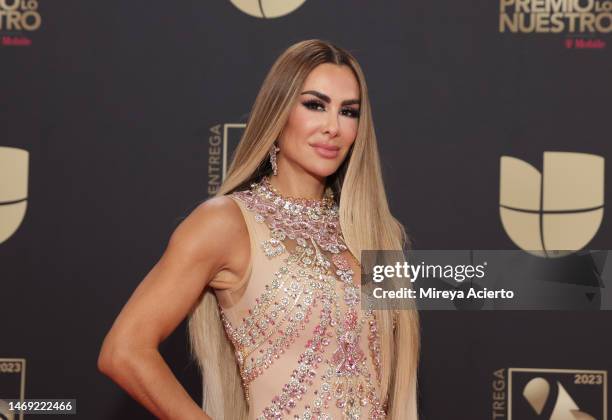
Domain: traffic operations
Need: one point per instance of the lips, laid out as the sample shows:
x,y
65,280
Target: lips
x,y
326,150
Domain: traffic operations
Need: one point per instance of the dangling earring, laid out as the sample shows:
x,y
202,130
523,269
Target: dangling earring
x,y
273,151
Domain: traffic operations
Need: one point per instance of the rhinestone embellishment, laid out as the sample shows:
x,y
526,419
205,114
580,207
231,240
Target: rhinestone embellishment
x,y
312,294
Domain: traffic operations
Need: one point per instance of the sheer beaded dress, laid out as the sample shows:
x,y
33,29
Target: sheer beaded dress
x,y
304,346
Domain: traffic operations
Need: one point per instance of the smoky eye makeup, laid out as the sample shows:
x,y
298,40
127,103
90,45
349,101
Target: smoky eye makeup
x,y
352,112
315,104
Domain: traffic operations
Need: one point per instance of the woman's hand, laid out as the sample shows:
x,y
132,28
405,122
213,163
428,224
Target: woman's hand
x,y
208,246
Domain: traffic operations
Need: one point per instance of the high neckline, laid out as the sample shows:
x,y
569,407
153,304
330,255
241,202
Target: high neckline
x,y
326,201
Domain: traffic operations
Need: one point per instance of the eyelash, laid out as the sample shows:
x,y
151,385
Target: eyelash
x,y
312,104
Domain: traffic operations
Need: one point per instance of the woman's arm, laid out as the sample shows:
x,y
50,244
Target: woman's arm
x,y
210,243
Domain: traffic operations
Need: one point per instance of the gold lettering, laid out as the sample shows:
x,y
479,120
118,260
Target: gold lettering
x,y
5,6
30,26
499,397
542,22
578,7
505,21
556,20
522,6
497,414
12,21
214,150
503,4
498,386
572,21
214,140
216,129
557,5
538,6
599,25
526,22
587,21
497,405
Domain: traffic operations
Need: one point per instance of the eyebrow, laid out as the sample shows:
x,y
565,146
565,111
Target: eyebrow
x,y
326,99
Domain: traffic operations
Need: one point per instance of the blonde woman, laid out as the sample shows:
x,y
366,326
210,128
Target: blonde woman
x,y
268,270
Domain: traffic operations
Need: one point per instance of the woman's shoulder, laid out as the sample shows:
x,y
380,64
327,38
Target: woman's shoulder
x,y
213,229
220,214
229,237
218,204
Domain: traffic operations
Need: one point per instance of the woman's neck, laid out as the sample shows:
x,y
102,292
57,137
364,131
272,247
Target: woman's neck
x,y
296,185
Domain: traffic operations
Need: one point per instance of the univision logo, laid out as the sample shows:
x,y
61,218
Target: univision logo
x,y
267,9
557,211
13,190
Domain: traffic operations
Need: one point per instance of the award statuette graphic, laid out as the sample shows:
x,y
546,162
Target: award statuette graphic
x,y
557,394
12,386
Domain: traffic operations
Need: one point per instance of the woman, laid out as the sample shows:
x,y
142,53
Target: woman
x,y
268,269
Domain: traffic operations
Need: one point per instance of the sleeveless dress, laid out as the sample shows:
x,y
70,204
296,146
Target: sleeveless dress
x,y
304,346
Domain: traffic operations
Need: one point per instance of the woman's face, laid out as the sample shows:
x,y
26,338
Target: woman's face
x,y
322,124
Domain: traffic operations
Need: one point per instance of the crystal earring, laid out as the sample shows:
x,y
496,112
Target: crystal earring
x,y
273,151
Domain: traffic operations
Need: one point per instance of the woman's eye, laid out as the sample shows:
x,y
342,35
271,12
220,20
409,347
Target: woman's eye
x,y
353,113
349,112
313,105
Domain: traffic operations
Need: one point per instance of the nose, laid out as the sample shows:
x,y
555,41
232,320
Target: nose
x,y
332,126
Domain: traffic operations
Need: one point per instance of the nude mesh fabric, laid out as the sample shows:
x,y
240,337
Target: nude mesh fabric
x,y
236,303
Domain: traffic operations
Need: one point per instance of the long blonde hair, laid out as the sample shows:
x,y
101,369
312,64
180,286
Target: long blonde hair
x,y
365,219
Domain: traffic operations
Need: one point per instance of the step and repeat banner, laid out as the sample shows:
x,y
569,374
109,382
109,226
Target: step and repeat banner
x,y
493,119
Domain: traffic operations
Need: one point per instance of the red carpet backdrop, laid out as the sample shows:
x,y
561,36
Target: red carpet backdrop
x,y
117,118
